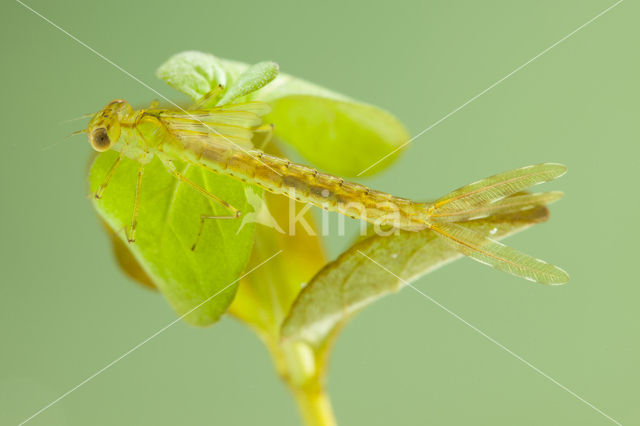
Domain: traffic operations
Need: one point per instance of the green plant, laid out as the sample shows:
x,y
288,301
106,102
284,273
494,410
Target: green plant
x,y
298,324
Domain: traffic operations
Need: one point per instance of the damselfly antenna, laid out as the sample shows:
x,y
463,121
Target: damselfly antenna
x,y
82,117
77,132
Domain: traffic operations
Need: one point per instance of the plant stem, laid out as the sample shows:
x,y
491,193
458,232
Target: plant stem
x,y
314,407
303,370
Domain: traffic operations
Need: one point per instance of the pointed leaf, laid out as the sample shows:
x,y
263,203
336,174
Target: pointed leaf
x,y
168,222
353,281
254,78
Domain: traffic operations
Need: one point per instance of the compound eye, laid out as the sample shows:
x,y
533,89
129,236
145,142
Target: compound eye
x,y
100,140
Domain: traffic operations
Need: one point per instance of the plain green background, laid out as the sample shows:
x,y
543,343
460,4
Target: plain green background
x,y
66,310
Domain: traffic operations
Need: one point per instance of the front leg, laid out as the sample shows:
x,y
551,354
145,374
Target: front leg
x,y
107,179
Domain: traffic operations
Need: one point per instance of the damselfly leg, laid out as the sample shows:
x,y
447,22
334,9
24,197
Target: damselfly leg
x,y
235,213
136,205
107,179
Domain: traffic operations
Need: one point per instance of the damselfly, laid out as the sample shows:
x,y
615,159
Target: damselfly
x,y
219,139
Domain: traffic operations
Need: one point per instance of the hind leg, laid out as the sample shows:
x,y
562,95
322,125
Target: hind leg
x,y
235,213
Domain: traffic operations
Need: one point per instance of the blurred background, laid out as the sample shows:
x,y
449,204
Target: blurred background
x,y
66,310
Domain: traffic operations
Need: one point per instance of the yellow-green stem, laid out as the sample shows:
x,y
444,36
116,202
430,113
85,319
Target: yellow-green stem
x,y
315,407
303,370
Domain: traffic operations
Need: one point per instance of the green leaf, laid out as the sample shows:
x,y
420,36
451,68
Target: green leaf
x,y
126,261
168,223
340,135
351,282
196,74
254,78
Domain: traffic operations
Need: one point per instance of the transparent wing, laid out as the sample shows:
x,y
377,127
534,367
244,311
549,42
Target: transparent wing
x,y
496,187
257,108
511,204
231,125
492,253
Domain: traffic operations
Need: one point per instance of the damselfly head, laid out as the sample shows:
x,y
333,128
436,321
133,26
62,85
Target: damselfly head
x,y
104,127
